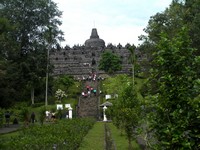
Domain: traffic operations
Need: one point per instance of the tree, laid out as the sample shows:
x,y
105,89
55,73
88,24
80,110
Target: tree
x,y
35,25
175,119
63,82
126,112
60,94
132,51
169,21
110,62
191,18
180,13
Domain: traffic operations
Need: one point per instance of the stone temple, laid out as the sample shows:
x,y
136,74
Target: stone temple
x,y
81,60
94,40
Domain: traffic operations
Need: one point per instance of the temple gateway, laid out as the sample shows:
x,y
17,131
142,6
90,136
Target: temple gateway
x,y
80,60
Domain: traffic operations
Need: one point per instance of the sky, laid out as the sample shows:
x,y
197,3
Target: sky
x,y
116,21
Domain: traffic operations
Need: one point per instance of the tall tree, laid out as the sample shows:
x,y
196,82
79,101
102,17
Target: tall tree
x,y
132,51
175,119
35,26
169,21
126,112
192,19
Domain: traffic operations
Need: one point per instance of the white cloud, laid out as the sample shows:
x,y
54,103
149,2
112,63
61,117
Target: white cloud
x,y
117,21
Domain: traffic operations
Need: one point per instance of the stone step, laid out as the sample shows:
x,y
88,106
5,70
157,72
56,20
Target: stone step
x,y
88,107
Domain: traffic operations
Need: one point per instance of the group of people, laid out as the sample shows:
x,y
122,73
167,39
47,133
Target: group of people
x,y
7,117
90,77
89,90
50,116
15,120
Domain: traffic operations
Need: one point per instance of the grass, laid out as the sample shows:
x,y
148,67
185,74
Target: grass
x,y
5,138
120,139
9,135
94,140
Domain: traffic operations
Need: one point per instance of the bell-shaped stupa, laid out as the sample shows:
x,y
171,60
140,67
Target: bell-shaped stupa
x,y
94,40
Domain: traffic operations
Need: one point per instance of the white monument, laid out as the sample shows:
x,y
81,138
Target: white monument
x,y
108,97
59,106
70,112
68,106
104,113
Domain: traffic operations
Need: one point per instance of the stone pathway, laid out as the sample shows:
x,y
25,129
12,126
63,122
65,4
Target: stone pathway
x,y
88,106
11,128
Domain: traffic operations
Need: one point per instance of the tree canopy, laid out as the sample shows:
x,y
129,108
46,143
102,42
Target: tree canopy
x,y
27,29
110,62
171,45
176,78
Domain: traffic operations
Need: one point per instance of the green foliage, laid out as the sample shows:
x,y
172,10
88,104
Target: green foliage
x,y
24,115
42,114
95,138
1,117
27,28
191,18
172,37
60,95
115,85
175,119
126,112
126,108
59,114
110,62
63,82
65,134
179,14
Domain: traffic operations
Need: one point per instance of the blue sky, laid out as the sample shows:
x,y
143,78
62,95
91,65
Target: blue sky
x,y
117,21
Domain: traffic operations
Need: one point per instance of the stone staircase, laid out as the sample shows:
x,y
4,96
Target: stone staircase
x,y
89,106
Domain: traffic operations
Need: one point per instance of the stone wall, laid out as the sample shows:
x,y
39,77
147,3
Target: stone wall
x,y
80,60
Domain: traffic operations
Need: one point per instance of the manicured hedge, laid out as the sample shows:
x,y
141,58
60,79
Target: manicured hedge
x,y
65,134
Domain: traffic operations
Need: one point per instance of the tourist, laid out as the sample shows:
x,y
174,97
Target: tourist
x,y
82,93
15,121
53,116
88,87
7,117
89,93
94,91
32,117
47,114
91,89
85,94
89,78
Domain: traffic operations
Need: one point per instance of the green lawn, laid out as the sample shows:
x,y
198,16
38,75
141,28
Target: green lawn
x,y
94,140
120,139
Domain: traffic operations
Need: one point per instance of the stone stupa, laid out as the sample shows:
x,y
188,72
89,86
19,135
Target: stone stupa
x,y
94,40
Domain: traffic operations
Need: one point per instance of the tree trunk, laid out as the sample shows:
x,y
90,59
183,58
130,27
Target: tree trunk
x,y
32,95
130,147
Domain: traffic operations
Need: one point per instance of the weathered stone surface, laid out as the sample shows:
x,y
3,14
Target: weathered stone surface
x,y
79,60
94,40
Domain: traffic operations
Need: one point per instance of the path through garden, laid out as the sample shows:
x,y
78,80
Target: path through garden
x,y
88,105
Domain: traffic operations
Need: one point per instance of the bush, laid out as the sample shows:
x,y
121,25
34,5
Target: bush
x,y
42,115
24,115
1,117
37,105
65,134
